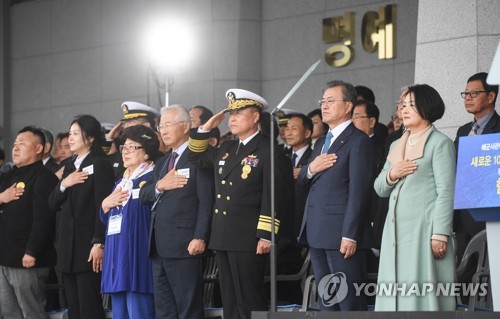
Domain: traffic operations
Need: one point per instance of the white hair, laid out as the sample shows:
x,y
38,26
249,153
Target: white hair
x,y
182,114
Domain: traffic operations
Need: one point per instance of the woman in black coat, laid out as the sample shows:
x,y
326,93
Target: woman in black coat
x,y
87,180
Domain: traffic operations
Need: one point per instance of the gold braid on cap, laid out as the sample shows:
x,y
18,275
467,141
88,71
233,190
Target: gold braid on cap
x,y
134,115
238,104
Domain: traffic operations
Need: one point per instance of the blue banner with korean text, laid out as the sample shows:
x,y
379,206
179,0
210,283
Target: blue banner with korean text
x,y
477,185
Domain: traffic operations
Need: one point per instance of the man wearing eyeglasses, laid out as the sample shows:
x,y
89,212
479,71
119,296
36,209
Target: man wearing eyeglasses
x,y
336,222
182,196
479,100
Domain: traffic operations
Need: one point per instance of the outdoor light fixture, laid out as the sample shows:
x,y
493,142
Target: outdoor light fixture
x,y
169,43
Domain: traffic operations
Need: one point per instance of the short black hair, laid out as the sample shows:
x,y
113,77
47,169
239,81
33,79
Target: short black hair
x,y
2,154
370,107
429,104
36,131
317,112
146,137
365,92
91,127
307,123
206,114
482,76
48,137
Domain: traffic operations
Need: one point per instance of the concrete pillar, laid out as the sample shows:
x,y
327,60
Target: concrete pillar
x,y
4,76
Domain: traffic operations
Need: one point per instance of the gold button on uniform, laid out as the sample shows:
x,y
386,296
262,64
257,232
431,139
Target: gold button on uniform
x,y
218,195
216,210
223,182
228,198
224,213
231,183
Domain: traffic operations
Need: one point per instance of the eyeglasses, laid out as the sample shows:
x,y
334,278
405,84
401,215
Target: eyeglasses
x,y
359,117
472,94
329,101
168,126
394,117
129,148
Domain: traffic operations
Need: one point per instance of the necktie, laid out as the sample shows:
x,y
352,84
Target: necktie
x,y
474,129
171,161
294,159
239,146
328,139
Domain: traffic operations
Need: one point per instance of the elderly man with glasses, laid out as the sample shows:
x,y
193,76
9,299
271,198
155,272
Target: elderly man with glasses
x,y
182,196
479,100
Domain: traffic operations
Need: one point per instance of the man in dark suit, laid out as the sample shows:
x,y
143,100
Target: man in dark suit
x,y
241,228
298,136
479,100
48,161
336,223
365,118
380,130
182,193
26,229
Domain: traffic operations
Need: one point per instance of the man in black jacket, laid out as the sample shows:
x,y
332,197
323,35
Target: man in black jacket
x,y
26,229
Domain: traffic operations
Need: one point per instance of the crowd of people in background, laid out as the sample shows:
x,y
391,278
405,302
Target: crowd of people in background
x,y
134,210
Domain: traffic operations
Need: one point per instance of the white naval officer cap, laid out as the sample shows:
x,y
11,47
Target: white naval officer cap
x,y
132,110
107,126
284,115
239,99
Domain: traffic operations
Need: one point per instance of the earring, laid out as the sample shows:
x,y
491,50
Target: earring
x,y
146,156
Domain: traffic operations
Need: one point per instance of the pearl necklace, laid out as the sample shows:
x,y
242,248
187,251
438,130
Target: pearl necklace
x,y
423,134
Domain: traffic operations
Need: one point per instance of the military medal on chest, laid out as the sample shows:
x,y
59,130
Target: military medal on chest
x,y
247,163
222,162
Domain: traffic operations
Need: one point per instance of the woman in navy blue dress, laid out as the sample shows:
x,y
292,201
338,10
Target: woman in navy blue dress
x,y
126,273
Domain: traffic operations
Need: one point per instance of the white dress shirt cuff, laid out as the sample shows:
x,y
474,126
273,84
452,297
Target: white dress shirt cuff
x,y
201,130
349,239
309,175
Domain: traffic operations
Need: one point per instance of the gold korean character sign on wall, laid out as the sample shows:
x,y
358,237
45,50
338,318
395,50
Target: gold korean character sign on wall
x,y
378,31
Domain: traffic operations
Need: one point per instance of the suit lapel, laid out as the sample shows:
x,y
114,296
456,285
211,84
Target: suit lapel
x,y
305,157
183,159
489,127
234,160
86,161
339,142
341,139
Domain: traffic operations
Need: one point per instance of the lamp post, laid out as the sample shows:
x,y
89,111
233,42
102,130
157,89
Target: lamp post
x,y
170,47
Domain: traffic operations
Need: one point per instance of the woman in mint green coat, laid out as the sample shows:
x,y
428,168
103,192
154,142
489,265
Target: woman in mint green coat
x,y
416,254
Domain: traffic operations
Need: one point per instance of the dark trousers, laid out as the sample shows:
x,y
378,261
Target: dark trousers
x,y
329,261
241,277
83,293
178,287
